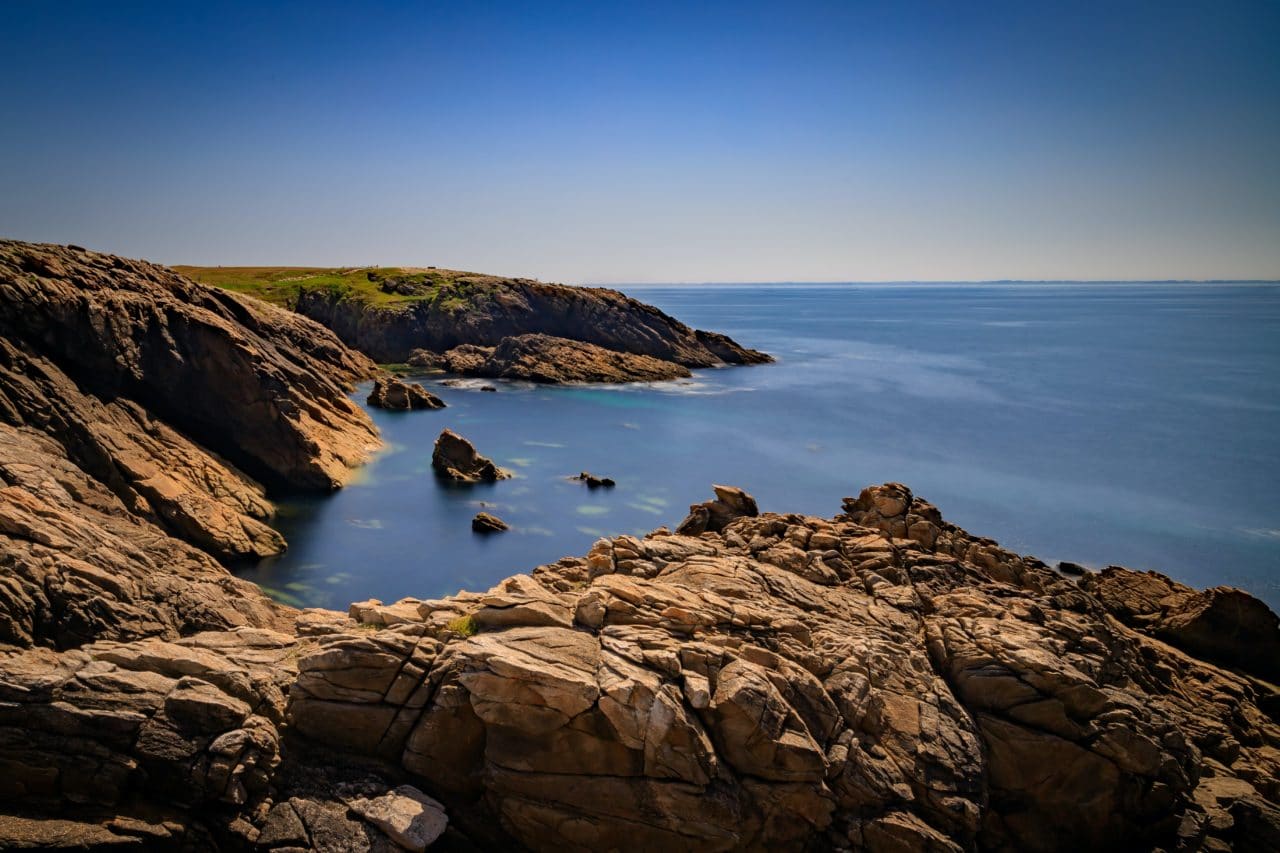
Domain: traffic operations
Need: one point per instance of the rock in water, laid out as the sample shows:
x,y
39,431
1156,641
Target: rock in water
x,y
594,482
391,393
730,503
456,459
552,360
486,523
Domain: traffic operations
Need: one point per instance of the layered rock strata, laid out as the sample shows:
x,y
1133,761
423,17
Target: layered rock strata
x,y
138,412
485,310
551,360
880,680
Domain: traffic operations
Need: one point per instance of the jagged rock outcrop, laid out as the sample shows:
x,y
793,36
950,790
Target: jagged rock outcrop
x,y
1222,624
456,459
391,393
793,681
786,682
730,503
547,359
136,407
258,385
468,308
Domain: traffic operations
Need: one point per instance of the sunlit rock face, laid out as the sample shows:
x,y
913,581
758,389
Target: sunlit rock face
x,y
881,680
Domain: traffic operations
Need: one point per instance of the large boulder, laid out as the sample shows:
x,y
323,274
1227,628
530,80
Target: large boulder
x,y
456,459
730,503
1222,624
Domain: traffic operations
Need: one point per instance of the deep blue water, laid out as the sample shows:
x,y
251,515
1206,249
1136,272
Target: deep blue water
x,y
1127,424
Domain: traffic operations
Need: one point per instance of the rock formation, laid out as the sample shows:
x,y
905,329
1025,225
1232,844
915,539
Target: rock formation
x,y
543,358
881,680
730,503
486,523
136,407
457,308
390,393
455,459
594,482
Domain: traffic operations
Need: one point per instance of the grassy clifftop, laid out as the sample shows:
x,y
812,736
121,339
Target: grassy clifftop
x,y
382,286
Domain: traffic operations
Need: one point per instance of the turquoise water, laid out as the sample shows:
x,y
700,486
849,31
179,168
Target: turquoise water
x,y
1128,424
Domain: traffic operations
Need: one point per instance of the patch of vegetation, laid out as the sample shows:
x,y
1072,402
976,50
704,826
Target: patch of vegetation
x,y
464,626
451,290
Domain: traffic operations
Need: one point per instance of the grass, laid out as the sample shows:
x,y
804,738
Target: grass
x,y
464,626
451,290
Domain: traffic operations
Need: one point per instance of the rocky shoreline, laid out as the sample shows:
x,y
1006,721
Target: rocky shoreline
x,y
494,327
878,680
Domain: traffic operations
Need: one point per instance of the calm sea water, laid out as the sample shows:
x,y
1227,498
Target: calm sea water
x,y
1128,424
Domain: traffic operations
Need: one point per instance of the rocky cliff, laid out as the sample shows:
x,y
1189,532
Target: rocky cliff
x,y
565,334
139,412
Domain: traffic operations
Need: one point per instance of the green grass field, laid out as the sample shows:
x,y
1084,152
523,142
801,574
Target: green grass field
x,y
283,285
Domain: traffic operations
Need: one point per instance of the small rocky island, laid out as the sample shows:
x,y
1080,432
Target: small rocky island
x,y
489,326
876,680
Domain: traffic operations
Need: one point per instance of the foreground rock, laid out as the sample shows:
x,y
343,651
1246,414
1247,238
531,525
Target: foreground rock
x,y
391,393
547,359
880,680
486,523
455,459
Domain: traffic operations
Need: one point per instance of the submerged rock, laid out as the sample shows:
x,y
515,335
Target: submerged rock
x,y
456,459
594,482
486,523
391,393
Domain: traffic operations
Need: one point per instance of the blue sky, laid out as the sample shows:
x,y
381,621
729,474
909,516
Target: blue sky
x,y
611,142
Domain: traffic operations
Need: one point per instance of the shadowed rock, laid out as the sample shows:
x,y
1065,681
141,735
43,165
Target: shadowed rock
x,y
455,459
552,360
473,309
391,393
486,523
730,503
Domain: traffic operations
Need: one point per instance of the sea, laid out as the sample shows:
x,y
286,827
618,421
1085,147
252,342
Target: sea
x,y
1134,424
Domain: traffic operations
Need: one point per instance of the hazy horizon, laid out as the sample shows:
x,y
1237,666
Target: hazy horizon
x,y
611,144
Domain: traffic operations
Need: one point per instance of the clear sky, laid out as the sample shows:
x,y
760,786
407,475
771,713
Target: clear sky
x,y
651,141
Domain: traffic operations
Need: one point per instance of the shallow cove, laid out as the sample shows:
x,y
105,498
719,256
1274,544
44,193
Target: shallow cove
x,y
1103,423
